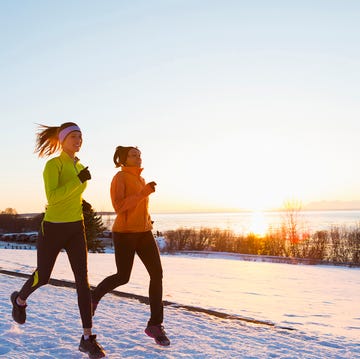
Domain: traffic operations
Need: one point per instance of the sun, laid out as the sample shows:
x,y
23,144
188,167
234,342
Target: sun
x,y
258,223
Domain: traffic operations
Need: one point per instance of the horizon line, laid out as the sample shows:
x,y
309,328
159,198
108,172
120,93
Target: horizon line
x,y
210,211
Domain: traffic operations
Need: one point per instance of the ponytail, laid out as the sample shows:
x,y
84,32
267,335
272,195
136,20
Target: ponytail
x,y
47,139
120,155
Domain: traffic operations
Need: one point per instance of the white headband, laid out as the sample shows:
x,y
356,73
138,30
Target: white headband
x,y
63,133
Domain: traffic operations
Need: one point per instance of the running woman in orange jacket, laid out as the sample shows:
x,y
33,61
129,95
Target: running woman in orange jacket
x,y
132,234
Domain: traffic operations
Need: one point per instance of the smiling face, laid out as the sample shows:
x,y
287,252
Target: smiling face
x,y
133,158
72,143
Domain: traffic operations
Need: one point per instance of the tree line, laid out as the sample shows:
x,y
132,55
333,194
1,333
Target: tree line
x,y
291,239
338,245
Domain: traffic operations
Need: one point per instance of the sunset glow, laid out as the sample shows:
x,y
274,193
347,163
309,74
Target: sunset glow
x,y
234,107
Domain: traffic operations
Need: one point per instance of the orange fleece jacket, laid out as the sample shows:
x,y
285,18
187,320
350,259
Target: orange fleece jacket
x,y
130,199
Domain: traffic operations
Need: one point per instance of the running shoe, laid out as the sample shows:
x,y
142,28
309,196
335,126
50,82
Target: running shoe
x,y
91,347
18,311
157,332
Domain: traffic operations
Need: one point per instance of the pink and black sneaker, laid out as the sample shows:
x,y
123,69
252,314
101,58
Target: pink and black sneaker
x,y
157,332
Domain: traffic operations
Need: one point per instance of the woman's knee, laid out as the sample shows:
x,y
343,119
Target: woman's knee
x,y
122,279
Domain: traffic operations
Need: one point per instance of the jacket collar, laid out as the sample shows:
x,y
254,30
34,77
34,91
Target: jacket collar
x,y
64,156
133,170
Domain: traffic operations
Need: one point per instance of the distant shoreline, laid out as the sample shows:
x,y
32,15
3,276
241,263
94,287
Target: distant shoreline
x,y
109,213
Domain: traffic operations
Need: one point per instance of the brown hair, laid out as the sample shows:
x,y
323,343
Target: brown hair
x,y
47,139
121,154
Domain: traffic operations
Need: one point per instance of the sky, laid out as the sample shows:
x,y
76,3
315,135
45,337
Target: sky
x,y
234,104
321,313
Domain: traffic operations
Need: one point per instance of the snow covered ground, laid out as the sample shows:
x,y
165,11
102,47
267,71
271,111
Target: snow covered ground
x,y
319,303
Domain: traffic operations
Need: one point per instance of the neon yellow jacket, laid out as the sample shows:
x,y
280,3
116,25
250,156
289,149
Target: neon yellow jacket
x,y
63,189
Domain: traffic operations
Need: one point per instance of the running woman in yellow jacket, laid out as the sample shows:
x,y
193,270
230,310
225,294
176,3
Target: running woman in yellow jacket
x,y
132,234
65,180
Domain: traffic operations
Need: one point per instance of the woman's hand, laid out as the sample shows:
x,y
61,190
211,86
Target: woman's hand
x,y
84,175
148,189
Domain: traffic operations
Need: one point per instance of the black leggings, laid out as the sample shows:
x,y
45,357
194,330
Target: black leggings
x,y
126,245
53,238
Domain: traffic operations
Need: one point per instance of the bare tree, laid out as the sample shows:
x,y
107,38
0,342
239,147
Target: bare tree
x,y
291,225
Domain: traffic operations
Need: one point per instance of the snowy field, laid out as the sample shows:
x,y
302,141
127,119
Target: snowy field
x,y
320,304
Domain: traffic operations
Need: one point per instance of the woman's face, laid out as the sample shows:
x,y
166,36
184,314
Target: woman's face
x,y
72,142
133,158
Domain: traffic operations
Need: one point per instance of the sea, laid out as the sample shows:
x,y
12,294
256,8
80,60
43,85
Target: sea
x,y
245,222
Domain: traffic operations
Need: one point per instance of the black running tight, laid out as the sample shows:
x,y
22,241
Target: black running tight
x,y
144,245
54,238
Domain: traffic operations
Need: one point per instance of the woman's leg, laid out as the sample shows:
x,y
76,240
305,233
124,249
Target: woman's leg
x,y
148,252
49,244
124,245
76,249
